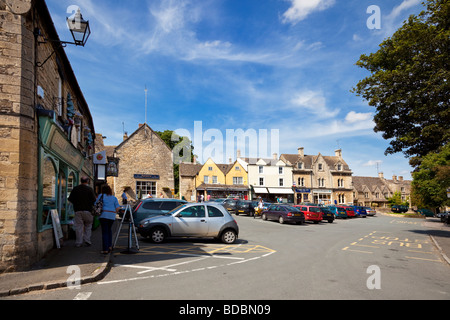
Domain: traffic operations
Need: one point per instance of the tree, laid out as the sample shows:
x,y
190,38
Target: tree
x,y
431,180
409,84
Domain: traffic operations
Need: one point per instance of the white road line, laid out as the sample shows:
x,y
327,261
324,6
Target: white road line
x,y
82,296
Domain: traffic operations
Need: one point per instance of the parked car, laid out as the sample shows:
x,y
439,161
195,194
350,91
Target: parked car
x,y
360,211
443,216
283,213
245,207
312,213
230,204
338,212
327,214
370,211
152,207
349,210
425,212
399,209
191,220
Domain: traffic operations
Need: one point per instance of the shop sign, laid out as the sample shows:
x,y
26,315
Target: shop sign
x,y
147,176
303,190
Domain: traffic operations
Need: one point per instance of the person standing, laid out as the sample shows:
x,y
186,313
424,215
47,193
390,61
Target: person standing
x,y
83,199
124,198
110,209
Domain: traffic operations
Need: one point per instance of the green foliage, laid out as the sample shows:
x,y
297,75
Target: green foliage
x,y
431,180
396,200
409,83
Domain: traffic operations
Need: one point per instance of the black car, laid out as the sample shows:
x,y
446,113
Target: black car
x,y
283,213
230,205
399,209
245,207
327,214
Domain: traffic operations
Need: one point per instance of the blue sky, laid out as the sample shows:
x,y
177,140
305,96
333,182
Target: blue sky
x,y
287,65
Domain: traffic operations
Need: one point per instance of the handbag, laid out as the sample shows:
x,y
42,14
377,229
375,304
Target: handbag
x,y
98,207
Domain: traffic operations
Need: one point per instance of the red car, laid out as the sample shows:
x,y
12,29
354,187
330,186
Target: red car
x,y
312,213
350,211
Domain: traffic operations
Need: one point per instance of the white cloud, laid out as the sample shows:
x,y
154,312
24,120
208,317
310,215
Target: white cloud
x,y
300,9
315,103
353,117
372,163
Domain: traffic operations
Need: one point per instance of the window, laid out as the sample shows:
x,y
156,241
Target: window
x,y
238,180
49,190
214,212
321,182
339,167
341,198
261,169
210,169
237,168
205,179
280,170
146,187
193,212
366,195
301,182
214,180
281,182
320,167
340,183
300,165
261,181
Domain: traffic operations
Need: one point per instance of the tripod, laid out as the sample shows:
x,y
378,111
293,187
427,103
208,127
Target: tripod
x,y
131,229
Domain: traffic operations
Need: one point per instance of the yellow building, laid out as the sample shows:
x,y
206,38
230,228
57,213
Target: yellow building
x,y
215,181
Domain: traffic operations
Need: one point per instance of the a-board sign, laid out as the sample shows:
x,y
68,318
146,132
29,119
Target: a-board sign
x,y
57,230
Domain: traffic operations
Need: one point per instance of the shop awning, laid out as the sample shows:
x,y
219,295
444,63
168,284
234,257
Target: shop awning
x,y
260,190
280,191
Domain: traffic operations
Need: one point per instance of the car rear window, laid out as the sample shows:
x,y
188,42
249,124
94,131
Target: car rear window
x,y
151,205
169,205
214,212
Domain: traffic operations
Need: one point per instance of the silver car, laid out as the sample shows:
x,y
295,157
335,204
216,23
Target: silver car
x,y
191,220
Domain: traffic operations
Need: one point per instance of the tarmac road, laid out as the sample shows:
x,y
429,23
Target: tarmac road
x,y
355,259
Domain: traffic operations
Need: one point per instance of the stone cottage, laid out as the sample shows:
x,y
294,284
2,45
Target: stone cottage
x,y
145,166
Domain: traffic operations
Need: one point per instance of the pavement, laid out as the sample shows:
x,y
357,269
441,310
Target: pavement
x,y
56,269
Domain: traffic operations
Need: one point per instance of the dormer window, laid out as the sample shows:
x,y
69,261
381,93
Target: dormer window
x,y
339,167
320,167
300,165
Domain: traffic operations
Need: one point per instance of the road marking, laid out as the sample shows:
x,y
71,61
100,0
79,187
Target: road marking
x,y
82,296
416,258
347,249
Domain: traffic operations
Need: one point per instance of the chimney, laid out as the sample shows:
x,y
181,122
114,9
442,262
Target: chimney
x,y
238,154
381,175
301,152
125,136
338,153
394,177
400,178
275,156
230,161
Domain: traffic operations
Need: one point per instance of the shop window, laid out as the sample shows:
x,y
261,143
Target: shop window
x,y
49,190
145,188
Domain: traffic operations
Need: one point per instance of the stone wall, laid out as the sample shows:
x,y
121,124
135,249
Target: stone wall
x,y
144,152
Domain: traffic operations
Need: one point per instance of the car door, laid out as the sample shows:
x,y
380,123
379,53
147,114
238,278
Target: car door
x,y
216,220
190,222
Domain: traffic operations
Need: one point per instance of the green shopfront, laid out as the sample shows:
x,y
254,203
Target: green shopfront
x,y
61,166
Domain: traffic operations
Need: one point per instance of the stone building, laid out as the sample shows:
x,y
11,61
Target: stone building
x,y
374,191
145,166
188,174
320,179
46,134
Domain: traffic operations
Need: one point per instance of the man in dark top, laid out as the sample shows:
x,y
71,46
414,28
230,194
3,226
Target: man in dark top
x,y
83,199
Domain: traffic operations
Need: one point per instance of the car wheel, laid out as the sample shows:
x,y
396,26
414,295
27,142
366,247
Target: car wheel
x,y
158,235
229,236
264,216
281,220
